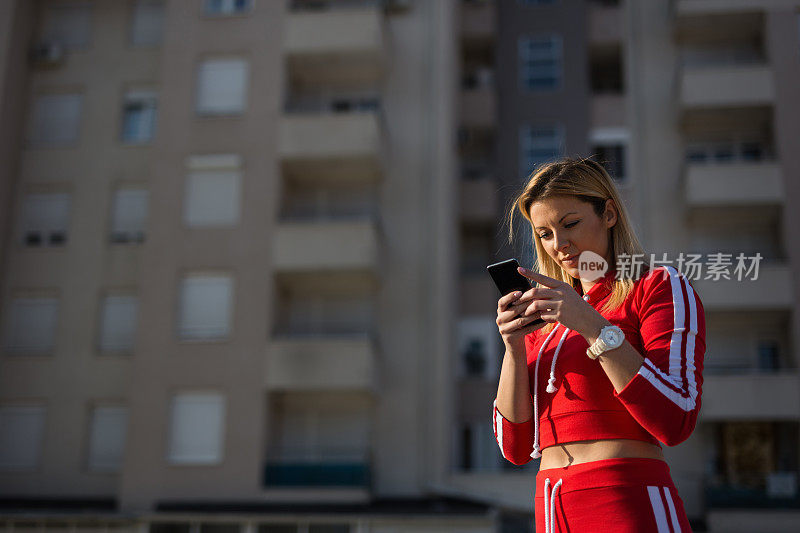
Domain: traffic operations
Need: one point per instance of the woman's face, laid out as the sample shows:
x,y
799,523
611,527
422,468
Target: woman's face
x,y
567,226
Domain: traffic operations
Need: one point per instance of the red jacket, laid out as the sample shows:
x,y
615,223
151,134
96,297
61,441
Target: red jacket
x,y
663,319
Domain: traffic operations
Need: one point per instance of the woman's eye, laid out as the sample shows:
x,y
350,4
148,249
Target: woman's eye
x,y
571,224
543,235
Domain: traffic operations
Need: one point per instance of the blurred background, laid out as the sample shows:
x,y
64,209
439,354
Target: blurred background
x,y
244,247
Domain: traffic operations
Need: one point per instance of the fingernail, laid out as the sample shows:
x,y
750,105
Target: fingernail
x,y
517,294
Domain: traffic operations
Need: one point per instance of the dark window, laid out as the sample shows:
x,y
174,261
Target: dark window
x,y
612,157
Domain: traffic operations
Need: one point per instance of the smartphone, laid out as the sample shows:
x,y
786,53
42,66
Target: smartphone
x,y
508,279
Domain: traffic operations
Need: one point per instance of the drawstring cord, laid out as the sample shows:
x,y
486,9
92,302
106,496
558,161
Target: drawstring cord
x,y
551,383
550,512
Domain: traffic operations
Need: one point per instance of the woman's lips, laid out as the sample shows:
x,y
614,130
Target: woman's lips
x,y
571,262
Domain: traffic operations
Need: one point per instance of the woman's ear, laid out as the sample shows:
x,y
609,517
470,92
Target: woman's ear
x,y
611,213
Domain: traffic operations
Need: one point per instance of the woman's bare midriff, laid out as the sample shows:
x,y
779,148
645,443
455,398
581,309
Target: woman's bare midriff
x,y
573,453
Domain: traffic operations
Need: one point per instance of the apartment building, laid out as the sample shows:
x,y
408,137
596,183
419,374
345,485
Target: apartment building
x,y
227,266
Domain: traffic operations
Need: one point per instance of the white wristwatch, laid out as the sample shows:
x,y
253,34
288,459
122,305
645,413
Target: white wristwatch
x,y
610,337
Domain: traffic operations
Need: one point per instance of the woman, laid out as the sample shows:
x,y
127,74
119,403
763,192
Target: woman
x,y
596,411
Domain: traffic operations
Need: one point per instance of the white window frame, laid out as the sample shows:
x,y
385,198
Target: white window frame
x,y
529,71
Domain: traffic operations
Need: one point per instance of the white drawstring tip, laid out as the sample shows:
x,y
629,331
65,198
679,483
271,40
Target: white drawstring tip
x,y
536,453
551,387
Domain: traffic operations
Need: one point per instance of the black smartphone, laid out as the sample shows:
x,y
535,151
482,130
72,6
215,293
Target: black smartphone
x,y
508,279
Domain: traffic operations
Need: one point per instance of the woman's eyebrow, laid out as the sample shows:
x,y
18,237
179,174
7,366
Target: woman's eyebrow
x,y
562,218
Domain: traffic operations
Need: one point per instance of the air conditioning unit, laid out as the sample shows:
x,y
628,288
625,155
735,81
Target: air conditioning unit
x,y
47,54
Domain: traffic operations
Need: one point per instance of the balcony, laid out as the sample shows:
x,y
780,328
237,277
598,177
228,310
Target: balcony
x,y
772,290
479,200
605,23
478,108
325,245
331,147
727,86
608,111
321,363
751,396
734,184
336,46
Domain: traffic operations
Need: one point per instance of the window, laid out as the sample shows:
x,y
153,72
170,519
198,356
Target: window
x,y
45,218
118,323
727,151
212,198
478,447
539,144
147,28
222,86
21,436
227,7
612,157
205,307
67,24
139,116
478,347
129,216
540,62
107,434
197,428
55,119
31,325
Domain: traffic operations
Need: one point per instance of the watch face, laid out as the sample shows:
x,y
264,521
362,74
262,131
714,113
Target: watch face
x,y
613,337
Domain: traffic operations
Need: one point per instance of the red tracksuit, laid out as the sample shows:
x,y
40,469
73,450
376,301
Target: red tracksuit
x,y
663,319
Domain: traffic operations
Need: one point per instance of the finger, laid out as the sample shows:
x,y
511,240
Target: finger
x,y
538,306
503,302
540,278
537,293
522,322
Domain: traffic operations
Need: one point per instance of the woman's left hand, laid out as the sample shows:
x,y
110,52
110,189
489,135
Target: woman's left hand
x,y
558,302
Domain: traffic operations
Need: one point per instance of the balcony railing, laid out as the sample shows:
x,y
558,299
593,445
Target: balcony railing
x,y
318,467
732,497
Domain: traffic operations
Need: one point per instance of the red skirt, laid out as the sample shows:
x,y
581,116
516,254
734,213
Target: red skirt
x,y
624,495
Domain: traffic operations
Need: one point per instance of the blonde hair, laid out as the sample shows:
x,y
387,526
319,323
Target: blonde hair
x,y
587,181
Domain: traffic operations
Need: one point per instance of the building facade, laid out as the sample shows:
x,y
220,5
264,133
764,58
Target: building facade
x,y
234,233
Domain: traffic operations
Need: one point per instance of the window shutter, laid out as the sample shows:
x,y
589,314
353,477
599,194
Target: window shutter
x,y
108,433
55,119
196,433
205,307
21,434
222,86
129,216
212,198
31,325
148,22
118,329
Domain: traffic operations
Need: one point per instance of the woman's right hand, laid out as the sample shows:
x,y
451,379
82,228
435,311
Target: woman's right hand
x,y
513,328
